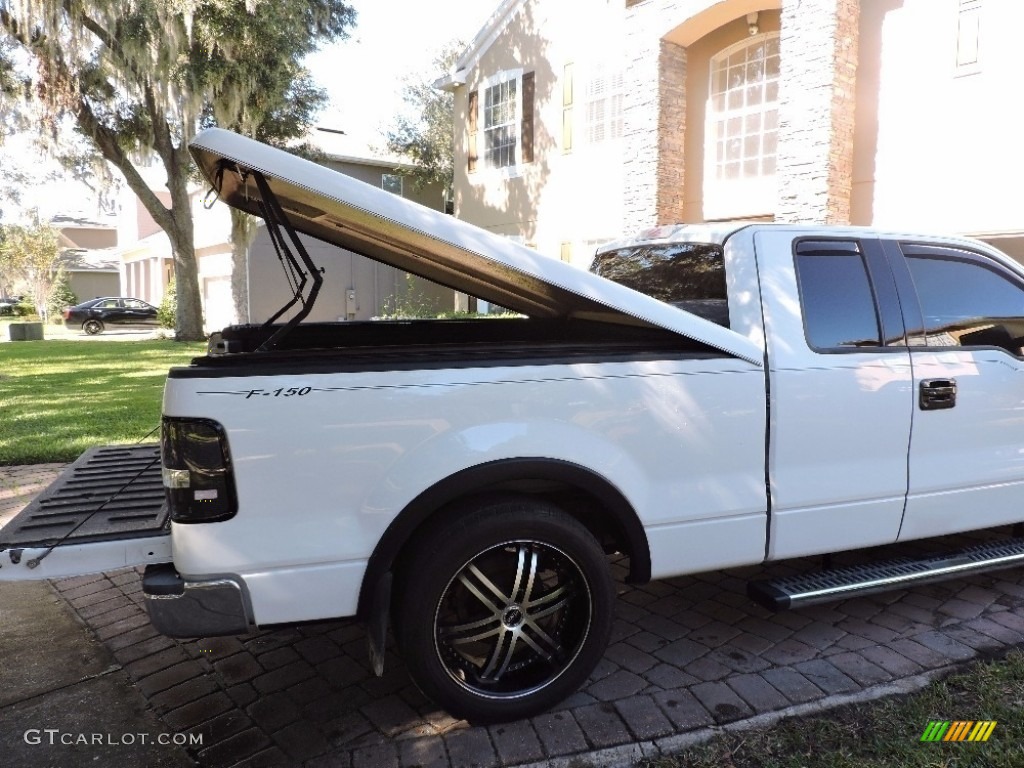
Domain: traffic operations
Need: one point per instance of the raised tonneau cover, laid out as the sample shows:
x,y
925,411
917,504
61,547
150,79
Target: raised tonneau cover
x,y
361,218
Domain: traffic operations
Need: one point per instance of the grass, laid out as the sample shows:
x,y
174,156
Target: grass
x,y
58,398
885,733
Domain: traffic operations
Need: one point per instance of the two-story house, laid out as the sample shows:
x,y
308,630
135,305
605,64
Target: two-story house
x,y
580,122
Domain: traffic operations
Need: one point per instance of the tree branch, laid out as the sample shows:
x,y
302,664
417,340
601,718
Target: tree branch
x,y
108,145
162,141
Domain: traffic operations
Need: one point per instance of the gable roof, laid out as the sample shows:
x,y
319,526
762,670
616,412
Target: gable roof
x,y
90,260
484,39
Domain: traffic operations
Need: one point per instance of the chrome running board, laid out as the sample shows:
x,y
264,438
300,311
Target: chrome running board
x,y
856,580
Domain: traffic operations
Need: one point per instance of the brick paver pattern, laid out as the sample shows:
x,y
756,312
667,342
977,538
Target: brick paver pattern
x,y
685,653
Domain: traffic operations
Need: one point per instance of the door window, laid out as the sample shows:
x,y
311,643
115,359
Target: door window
x,y
968,302
835,294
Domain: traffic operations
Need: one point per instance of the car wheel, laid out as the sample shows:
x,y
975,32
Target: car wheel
x,y
504,609
92,327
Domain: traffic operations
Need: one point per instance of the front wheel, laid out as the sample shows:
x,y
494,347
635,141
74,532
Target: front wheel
x,y
505,609
92,327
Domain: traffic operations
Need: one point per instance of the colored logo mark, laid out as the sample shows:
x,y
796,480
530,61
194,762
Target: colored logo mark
x,y
958,730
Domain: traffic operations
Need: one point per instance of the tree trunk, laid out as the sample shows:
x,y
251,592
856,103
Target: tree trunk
x,y
243,231
188,321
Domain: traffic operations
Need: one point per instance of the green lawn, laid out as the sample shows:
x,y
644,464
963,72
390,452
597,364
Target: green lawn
x,y
58,398
885,733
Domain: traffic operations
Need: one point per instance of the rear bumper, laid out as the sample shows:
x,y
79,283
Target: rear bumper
x,y
180,608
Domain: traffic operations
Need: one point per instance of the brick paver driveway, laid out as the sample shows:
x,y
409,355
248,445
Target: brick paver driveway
x,y
686,653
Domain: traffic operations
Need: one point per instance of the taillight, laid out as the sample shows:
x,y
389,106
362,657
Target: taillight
x,y
197,473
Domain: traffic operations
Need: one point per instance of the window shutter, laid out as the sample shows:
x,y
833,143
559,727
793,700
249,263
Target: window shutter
x,y
473,111
527,126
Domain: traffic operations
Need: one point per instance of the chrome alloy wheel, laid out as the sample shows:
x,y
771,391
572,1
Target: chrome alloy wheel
x,y
512,619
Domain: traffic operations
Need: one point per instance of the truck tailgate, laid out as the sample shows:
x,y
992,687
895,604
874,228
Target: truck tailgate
x,y
105,511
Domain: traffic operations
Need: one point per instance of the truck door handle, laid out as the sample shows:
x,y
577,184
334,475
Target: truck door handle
x,y
937,394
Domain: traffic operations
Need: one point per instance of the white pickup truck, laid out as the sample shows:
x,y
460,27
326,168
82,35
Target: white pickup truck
x,y
706,397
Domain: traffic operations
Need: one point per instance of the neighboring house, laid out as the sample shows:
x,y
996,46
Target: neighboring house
x,y
577,123
355,287
89,258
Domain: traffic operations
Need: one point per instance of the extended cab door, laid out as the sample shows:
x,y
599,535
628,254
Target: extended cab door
x,y
841,395
965,317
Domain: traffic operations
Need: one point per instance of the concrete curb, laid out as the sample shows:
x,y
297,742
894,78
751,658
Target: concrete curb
x,y
629,754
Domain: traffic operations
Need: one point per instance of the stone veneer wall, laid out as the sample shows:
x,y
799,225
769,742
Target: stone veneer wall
x,y
816,113
654,124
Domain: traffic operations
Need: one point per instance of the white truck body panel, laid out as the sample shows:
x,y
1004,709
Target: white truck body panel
x,y
320,477
833,484
69,560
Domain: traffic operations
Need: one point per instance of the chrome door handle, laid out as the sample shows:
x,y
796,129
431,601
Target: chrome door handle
x,y
937,394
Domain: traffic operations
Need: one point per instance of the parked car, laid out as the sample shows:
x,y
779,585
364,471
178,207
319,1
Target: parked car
x,y
7,305
96,315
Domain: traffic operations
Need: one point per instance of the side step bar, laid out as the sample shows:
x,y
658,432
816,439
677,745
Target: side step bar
x,y
856,580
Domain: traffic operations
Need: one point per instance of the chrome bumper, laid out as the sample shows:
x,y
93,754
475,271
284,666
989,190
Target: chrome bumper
x,y
180,608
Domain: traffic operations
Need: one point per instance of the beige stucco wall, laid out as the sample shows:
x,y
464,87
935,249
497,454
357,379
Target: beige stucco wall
x,y
562,197
89,238
933,150
378,289
90,285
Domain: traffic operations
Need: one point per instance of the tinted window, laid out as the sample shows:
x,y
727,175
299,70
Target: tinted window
x,y
967,304
109,304
690,276
838,304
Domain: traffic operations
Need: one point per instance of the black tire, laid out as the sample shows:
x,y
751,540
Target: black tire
x,y
478,640
92,327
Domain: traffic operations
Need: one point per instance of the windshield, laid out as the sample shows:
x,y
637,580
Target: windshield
x,y
690,276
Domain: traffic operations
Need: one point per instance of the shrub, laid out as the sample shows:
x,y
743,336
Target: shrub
x,y
61,296
168,310
25,308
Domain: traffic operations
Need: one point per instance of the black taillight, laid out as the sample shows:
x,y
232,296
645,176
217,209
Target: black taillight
x,y
197,471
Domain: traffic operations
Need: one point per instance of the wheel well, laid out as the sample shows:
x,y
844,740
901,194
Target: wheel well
x,y
588,497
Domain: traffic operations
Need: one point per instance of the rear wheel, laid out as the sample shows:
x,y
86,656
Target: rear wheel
x,y
92,327
505,610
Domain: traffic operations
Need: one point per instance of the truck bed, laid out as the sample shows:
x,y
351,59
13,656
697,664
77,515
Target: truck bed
x,y
109,493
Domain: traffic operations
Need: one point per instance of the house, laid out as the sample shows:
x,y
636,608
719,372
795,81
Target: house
x,y
355,287
89,257
576,123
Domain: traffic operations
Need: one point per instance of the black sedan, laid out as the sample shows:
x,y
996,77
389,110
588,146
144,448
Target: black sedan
x,y
97,315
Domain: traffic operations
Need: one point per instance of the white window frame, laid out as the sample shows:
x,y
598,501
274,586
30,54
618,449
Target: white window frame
x,y
484,170
967,52
742,196
610,75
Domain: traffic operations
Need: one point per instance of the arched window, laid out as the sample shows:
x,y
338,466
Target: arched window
x,y
742,127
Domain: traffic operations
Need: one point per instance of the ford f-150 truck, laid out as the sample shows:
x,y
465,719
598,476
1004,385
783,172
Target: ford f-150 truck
x,y
705,397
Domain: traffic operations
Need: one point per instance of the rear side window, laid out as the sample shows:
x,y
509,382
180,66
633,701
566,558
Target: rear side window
x,y
968,303
690,276
835,294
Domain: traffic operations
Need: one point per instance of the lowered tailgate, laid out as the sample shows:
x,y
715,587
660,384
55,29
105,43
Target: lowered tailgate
x,y
105,511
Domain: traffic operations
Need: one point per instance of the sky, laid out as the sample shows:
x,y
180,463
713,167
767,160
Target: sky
x,y
392,40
